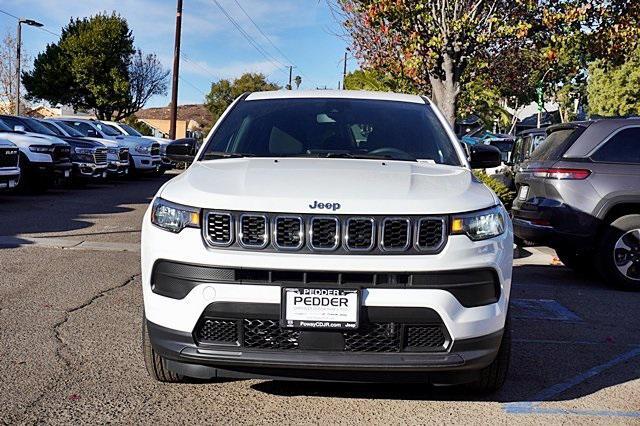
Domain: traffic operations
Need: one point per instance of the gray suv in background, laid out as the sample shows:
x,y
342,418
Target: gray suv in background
x,y
580,194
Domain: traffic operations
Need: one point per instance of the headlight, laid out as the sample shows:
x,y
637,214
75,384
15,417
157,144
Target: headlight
x,y
143,149
174,217
43,149
480,225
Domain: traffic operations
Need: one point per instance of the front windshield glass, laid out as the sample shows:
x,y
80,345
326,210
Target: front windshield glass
x,y
69,129
38,127
4,127
108,130
130,130
350,128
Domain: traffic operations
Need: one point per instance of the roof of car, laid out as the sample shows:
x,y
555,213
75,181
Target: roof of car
x,y
335,94
534,131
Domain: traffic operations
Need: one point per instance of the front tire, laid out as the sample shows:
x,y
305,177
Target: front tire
x,y
493,376
155,364
619,253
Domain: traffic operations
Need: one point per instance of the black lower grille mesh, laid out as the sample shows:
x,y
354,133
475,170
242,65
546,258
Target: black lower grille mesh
x,y
217,331
381,337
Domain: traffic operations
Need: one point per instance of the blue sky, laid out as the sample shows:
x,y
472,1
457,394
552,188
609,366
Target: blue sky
x,y
304,31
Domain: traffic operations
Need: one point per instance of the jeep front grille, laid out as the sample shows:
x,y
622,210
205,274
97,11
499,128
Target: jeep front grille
x,y
254,231
289,232
8,157
337,234
219,228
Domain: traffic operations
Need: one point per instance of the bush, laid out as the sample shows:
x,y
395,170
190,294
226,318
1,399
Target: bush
x,y
502,191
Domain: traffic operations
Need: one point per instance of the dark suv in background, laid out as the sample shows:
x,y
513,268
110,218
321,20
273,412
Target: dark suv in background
x,y
580,194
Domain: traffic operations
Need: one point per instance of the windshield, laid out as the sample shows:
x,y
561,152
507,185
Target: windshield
x,y
69,129
351,128
53,128
108,130
130,130
556,143
4,127
38,127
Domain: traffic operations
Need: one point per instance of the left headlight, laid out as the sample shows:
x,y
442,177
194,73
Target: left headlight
x,y
480,225
143,149
174,217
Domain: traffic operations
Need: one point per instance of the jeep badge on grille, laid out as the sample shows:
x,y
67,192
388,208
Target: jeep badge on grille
x,y
324,206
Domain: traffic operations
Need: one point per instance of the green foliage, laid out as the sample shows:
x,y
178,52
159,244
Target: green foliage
x,y
375,81
224,92
140,126
502,191
95,66
615,90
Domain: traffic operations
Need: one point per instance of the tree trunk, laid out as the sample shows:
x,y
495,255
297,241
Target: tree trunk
x,y
446,90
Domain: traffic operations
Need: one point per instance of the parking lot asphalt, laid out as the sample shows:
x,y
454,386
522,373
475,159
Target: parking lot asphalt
x,y
70,323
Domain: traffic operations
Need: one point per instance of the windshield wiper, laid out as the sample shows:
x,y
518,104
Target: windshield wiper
x,y
365,156
212,155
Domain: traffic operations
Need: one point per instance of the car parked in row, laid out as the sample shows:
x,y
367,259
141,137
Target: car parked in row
x,y
144,154
117,156
43,160
580,194
127,130
9,165
88,158
526,142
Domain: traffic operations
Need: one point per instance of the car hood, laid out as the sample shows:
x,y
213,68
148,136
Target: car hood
x,y
6,143
161,141
81,142
359,186
132,141
25,139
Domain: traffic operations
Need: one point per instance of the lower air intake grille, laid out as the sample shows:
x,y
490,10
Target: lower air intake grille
x,y
220,228
424,337
217,331
288,232
267,334
376,337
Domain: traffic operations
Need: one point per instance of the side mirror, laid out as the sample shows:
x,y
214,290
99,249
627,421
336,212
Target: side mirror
x,y
182,150
18,128
92,133
484,157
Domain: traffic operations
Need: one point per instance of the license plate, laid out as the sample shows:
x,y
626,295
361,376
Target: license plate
x,y
320,308
523,192
4,185
67,173
13,183
104,175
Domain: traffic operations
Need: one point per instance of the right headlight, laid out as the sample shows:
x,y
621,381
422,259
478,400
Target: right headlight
x,y
174,217
480,225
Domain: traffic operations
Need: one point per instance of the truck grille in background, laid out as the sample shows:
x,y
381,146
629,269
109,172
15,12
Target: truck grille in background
x,y
430,233
124,154
155,149
380,337
360,234
396,234
8,157
220,228
289,232
100,156
325,233
254,231
61,154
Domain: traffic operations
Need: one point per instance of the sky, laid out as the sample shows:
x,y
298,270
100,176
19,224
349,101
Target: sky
x,y
304,33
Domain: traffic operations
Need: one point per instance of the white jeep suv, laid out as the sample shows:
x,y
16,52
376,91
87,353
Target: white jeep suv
x,y
333,236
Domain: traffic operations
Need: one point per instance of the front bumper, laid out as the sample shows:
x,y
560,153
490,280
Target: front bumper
x,y
147,162
118,168
9,178
52,170
460,364
89,170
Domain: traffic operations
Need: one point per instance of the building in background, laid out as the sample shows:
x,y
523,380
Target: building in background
x,y
193,120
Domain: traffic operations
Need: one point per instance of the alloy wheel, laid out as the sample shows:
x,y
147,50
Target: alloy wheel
x,y
626,254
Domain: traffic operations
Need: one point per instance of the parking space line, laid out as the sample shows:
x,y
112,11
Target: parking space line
x,y
531,407
571,342
546,309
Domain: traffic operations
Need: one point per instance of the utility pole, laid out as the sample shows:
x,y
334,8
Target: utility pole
x,y
290,73
344,70
176,69
18,46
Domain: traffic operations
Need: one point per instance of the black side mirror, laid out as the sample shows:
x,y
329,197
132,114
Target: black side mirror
x,y
92,133
182,150
484,157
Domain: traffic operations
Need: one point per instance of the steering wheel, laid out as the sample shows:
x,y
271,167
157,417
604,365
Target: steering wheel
x,y
391,152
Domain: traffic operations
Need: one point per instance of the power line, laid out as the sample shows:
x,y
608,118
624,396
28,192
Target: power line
x,y
193,86
250,39
39,28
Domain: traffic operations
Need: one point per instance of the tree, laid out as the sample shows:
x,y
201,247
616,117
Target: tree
x,y
94,66
8,63
224,92
615,90
140,126
439,46
373,80
298,81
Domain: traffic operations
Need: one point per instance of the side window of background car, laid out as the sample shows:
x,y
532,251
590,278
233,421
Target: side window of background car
x,y
623,147
81,127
